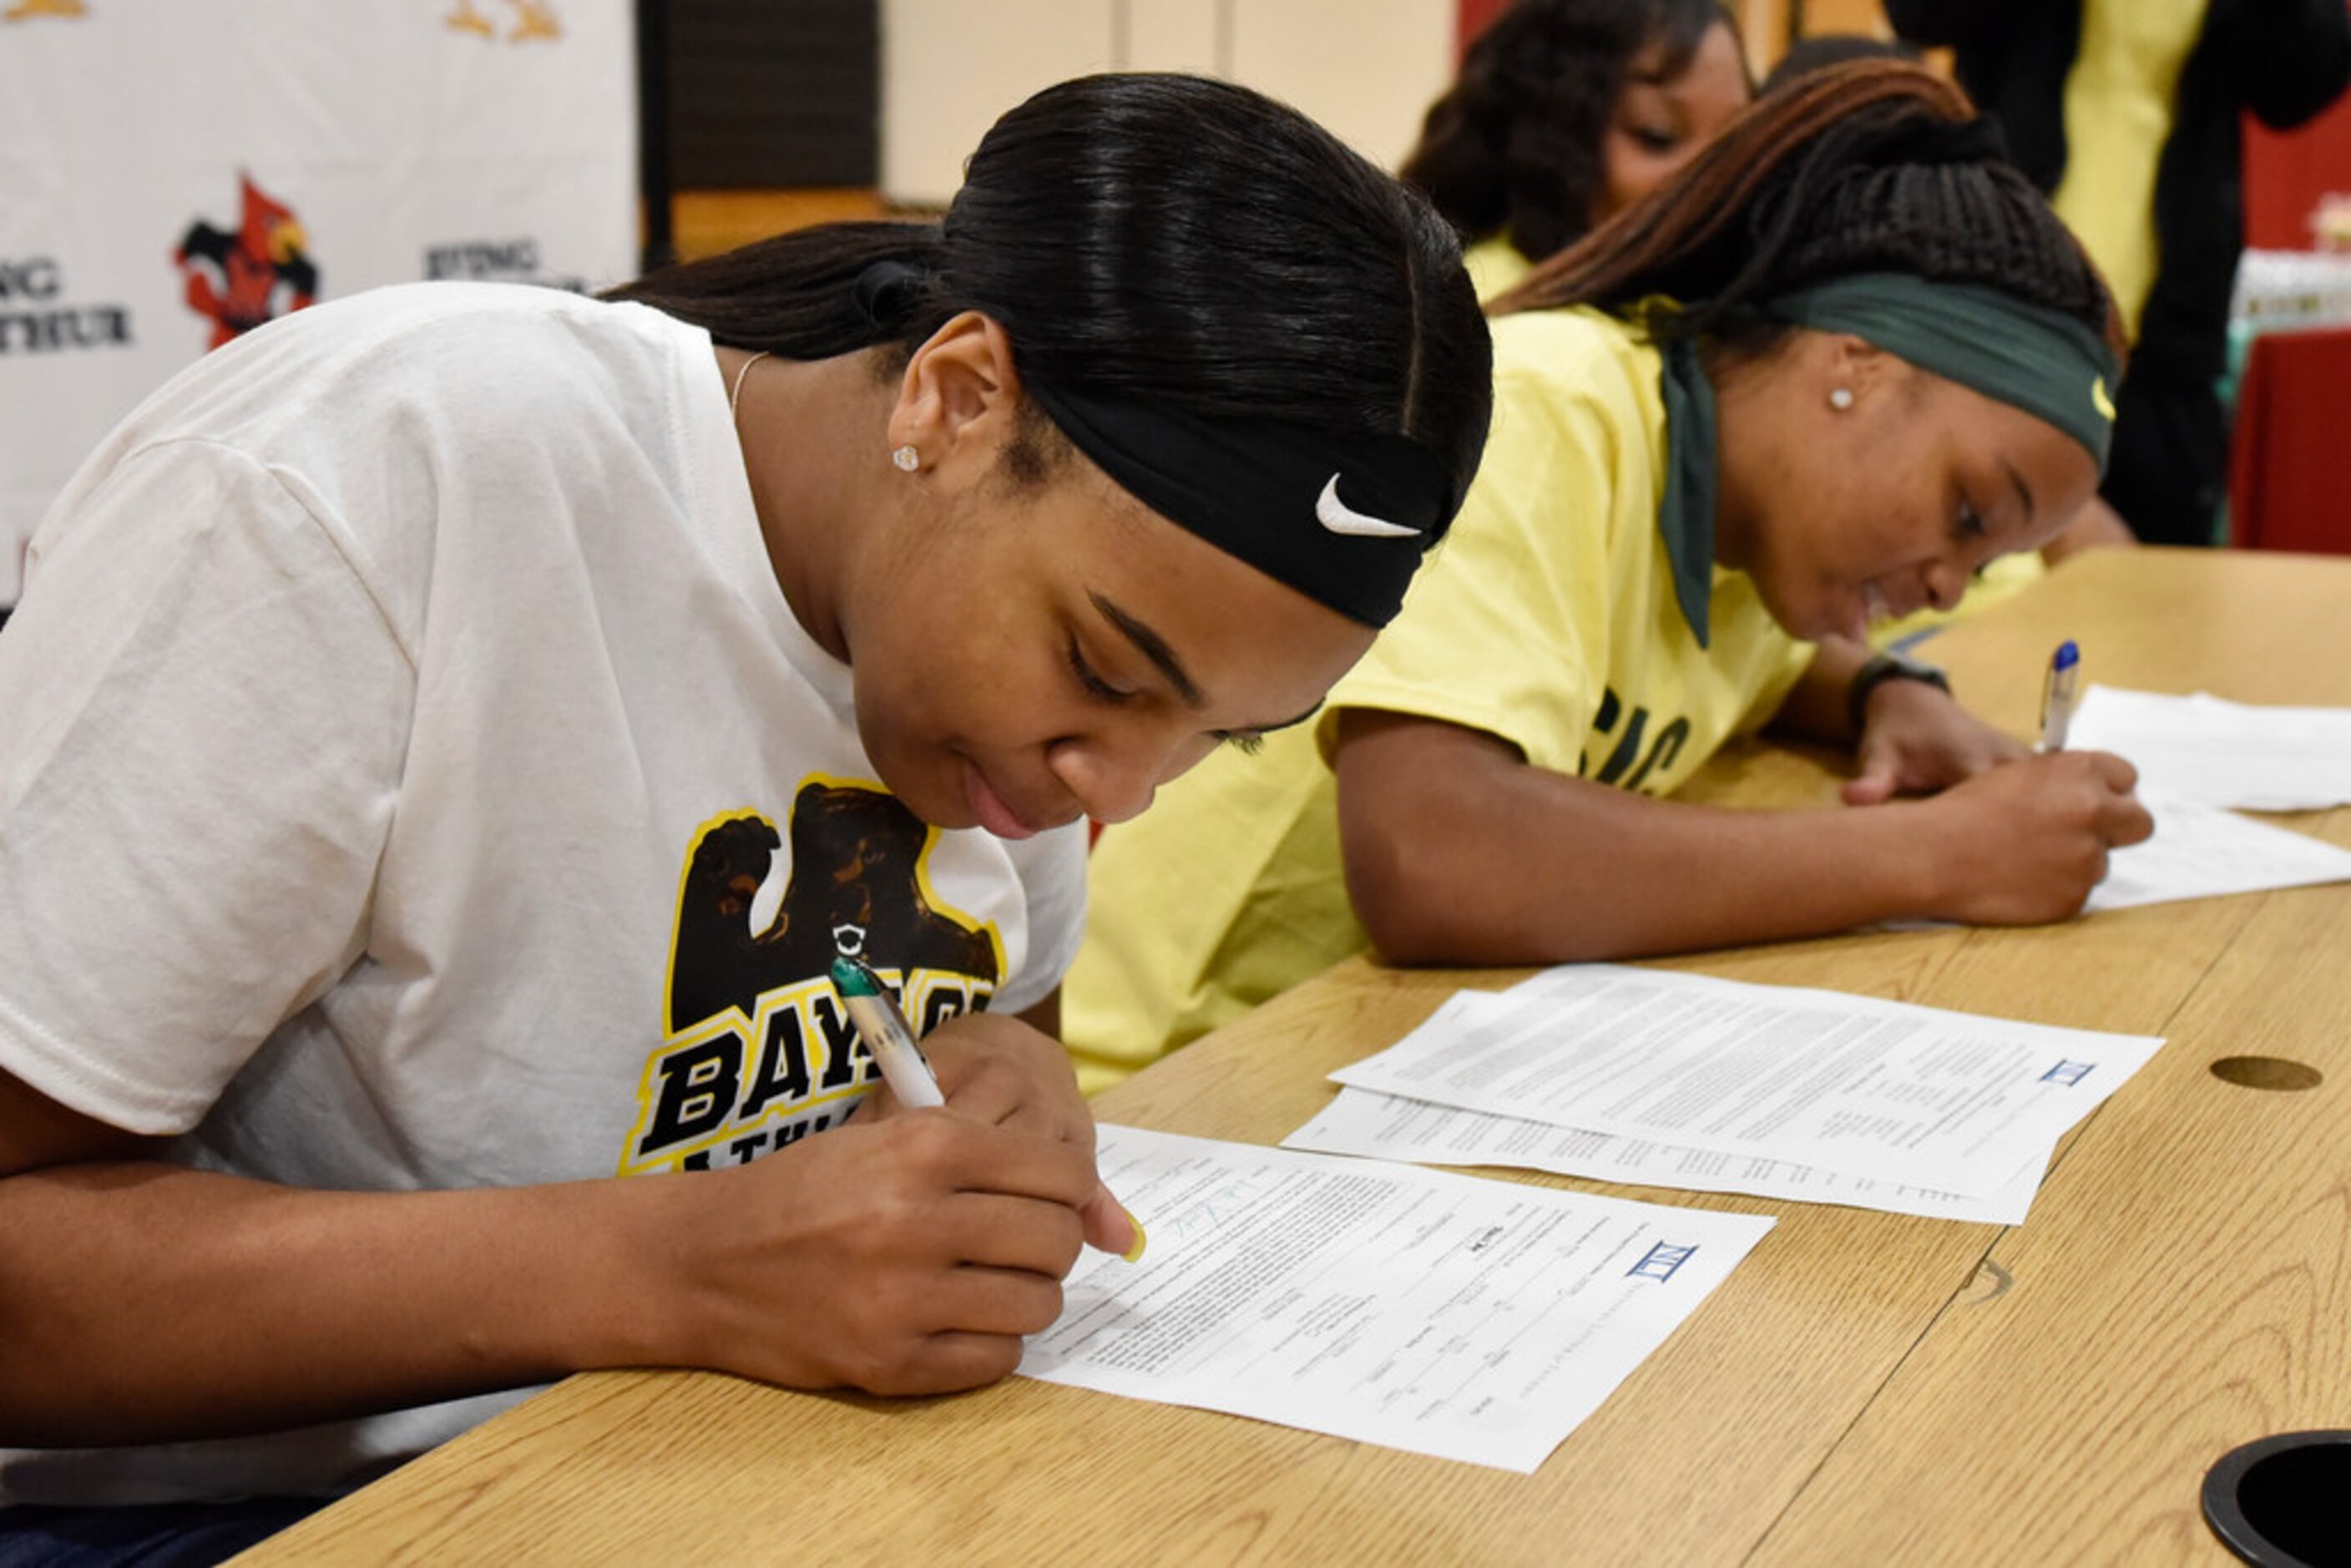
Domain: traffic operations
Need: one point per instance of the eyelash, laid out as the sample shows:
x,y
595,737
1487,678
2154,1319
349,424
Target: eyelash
x,y
1970,524
1092,682
1248,745
1655,140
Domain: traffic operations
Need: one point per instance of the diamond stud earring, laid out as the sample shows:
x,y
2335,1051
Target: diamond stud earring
x,y
1841,398
907,459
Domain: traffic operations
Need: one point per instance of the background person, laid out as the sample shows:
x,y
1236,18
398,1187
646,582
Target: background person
x,y
1566,112
2126,112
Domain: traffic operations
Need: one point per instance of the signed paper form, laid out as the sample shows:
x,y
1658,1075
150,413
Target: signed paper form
x,y
1948,1102
2203,852
1471,1319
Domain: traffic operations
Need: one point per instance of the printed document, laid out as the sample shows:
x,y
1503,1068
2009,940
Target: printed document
x,y
1385,1127
2203,852
2221,753
1914,1096
1459,1316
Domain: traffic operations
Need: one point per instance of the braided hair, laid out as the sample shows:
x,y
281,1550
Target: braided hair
x,y
1513,148
1874,167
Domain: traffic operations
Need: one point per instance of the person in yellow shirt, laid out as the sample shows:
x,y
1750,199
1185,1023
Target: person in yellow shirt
x,y
2129,113
1566,112
1891,364
2095,527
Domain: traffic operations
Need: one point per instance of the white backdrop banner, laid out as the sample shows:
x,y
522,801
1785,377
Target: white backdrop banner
x,y
175,172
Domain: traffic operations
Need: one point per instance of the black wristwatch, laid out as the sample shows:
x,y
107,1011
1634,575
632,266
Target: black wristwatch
x,y
1876,671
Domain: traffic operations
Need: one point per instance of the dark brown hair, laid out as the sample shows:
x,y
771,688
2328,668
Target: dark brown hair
x,y
1513,148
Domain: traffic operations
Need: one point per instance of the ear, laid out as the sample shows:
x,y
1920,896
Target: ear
x,y
957,400
1858,365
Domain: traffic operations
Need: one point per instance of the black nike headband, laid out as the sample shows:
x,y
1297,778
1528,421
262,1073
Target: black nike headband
x,y
1343,518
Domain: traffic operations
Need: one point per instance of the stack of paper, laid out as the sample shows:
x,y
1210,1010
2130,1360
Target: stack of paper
x,y
1684,1081
1473,1319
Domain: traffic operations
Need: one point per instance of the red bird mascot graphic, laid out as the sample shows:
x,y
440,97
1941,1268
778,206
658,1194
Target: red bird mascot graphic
x,y
238,280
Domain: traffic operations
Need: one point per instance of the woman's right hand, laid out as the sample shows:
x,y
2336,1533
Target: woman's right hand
x,y
906,1255
2024,843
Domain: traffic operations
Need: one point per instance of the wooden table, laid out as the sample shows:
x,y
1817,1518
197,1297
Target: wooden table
x,y
1865,1388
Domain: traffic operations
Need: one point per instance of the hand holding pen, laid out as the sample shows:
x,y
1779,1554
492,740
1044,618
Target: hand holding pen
x,y
891,1040
2025,845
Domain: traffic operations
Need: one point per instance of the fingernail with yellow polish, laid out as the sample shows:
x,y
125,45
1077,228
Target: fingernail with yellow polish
x,y
1135,1253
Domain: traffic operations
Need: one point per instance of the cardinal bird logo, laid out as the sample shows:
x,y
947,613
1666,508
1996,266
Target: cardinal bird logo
x,y
239,278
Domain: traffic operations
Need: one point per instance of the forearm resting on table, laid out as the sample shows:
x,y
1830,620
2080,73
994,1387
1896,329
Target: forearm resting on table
x,y
148,1303
1459,852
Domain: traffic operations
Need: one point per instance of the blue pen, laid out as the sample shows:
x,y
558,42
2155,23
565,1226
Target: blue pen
x,y
2057,695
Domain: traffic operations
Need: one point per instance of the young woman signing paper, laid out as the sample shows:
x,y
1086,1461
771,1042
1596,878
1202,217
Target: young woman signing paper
x,y
449,734
1845,358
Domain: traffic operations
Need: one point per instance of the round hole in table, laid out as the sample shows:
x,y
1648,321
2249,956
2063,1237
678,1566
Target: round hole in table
x,y
2279,1502
2267,1072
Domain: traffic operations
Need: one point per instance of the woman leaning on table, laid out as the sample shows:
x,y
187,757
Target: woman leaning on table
x,y
449,734
1845,358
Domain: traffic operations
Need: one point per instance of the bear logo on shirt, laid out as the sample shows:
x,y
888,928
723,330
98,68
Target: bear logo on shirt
x,y
758,1052
854,890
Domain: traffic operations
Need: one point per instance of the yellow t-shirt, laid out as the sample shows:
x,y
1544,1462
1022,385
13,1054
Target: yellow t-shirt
x,y
1494,265
2119,99
1547,617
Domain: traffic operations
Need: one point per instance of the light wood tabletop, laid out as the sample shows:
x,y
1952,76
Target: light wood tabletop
x,y
1865,1388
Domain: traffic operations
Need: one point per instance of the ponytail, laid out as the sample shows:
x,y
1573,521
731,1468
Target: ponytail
x,y
807,294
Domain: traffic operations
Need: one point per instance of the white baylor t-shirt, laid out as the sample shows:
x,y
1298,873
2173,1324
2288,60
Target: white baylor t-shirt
x,y
412,777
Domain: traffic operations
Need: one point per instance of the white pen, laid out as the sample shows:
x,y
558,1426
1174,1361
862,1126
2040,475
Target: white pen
x,y
2057,695
886,1032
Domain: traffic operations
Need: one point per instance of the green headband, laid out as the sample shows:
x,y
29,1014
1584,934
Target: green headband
x,y
2040,361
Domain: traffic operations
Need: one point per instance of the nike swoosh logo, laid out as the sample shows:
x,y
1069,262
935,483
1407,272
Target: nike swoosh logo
x,y
1341,518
